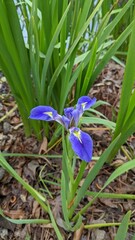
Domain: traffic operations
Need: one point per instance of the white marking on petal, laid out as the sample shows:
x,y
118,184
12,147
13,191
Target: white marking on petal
x,y
78,135
83,105
49,114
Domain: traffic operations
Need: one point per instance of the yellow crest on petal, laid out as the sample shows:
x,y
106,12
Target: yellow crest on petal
x,y
78,135
49,114
83,105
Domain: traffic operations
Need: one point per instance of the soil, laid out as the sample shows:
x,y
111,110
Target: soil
x,y
16,203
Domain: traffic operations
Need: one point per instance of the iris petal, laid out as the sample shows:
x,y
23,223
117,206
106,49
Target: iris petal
x,y
76,116
68,112
62,120
86,102
65,121
82,144
45,113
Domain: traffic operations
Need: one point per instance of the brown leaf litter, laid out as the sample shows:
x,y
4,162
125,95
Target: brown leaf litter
x,y
18,204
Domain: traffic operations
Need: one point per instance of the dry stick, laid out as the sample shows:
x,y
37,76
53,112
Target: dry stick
x,y
8,113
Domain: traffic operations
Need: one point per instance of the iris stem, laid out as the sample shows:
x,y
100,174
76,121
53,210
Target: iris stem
x,y
80,175
76,183
71,181
74,163
70,171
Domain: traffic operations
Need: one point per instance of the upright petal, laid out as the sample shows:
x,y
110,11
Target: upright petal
x,y
45,113
82,144
86,102
66,122
76,114
68,112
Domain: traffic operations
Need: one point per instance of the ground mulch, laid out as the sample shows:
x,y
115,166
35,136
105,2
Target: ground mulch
x,y
16,203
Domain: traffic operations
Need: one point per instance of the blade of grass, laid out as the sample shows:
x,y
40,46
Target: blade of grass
x,y
61,65
60,237
119,171
95,120
64,200
109,28
129,78
101,225
111,195
25,221
40,199
89,69
49,53
122,230
111,52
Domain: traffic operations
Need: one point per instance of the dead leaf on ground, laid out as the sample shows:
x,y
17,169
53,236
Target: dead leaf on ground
x,y
36,210
33,166
43,147
30,169
15,214
108,203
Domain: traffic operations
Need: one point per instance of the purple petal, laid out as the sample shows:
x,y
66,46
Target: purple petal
x,y
45,113
68,112
65,121
76,114
62,120
86,102
82,144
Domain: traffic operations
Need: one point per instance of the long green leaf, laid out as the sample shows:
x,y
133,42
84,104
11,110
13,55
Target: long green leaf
x,y
122,230
90,69
111,52
25,221
111,195
57,231
115,21
50,50
129,78
95,120
61,65
119,171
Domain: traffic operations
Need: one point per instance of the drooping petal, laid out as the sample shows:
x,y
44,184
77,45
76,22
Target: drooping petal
x,y
62,120
82,144
68,112
45,113
86,102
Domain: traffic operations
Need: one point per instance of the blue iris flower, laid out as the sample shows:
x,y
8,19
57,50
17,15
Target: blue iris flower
x,y
81,142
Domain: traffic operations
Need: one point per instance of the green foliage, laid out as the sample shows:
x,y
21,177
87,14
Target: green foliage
x,y
133,238
52,51
41,199
125,125
71,194
63,53
122,231
35,194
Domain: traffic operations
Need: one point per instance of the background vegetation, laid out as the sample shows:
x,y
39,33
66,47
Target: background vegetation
x,y
51,53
